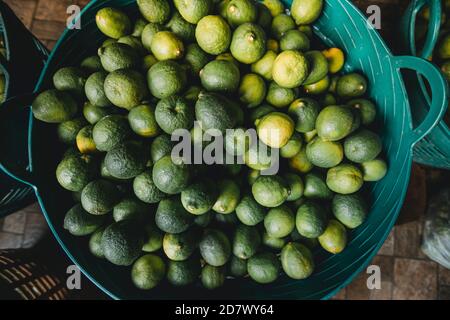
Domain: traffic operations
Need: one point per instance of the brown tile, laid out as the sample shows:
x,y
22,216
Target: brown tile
x,y
444,293
357,290
47,30
10,240
386,265
407,240
83,3
388,246
444,276
35,229
15,223
49,44
341,295
24,9
53,10
385,293
415,280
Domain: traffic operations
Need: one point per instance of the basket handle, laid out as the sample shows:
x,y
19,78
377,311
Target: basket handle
x,y
433,26
11,105
439,93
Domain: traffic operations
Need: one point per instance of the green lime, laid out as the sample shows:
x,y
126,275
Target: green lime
x,y
264,66
125,88
306,11
94,89
310,135
161,146
374,170
127,160
153,239
296,186
264,268
318,67
118,56
345,179
334,239
252,176
71,79
334,123
142,121
130,208
145,189
293,147
290,69
228,198
311,220
54,106
252,90
148,33
113,22
304,111
280,97
281,24
300,163
167,46
238,267
215,248
193,10
196,58
362,146
171,176
138,27
318,87
68,130
181,28
212,277
213,34
215,112
237,142
174,113
273,243
316,187
264,16
241,11
200,197
179,247
275,129
270,191
294,40
249,43
324,154
250,212
259,157
275,7
110,132
183,273
306,29
95,243
171,217
367,109
75,172
155,11
99,197
350,210
148,271
351,85
246,242
279,222
220,76
92,64
166,78
297,261
133,42
81,223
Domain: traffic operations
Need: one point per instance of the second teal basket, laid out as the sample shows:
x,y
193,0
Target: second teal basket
x,y
434,149
340,25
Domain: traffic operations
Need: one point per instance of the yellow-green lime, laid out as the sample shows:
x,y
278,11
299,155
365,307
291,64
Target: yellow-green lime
x,y
252,90
113,23
213,34
290,69
264,66
142,121
155,11
275,129
193,10
345,179
306,11
167,46
249,43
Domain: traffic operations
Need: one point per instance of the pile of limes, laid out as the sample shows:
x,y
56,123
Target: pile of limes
x,y
231,64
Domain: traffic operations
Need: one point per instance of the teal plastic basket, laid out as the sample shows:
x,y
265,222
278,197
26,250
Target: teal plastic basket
x,y
434,149
341,25
24,61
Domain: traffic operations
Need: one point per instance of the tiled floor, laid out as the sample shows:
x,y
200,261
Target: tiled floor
x,y
405,272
